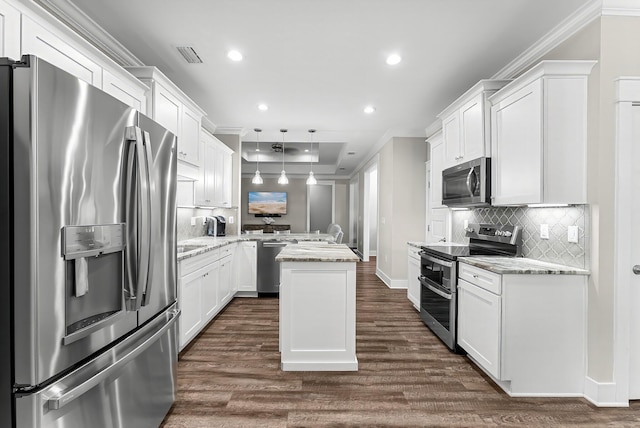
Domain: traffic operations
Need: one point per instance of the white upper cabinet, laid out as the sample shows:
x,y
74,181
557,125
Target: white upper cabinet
x,y
465,124
437,165
9,31
44,43
539,136
173,109
132,94
215,179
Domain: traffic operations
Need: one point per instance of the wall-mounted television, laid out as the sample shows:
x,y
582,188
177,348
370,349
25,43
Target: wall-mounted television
x,y
268,203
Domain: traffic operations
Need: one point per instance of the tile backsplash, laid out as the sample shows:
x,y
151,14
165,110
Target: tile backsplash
x,y
556,249
186,231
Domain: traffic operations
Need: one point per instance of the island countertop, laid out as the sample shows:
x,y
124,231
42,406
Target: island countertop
x,y
316,252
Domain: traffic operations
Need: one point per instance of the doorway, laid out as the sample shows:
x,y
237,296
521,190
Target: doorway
x,y
321,205
370,213
627,252
354,212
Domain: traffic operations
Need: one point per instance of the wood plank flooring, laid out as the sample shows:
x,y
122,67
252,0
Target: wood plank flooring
x,y
230,377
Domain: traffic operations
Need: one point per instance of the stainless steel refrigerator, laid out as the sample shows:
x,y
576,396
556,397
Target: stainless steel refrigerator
x,y
88,334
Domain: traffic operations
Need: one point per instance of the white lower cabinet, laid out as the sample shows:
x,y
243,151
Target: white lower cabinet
x,y
206,284
413,272
526,331
246,264
479,325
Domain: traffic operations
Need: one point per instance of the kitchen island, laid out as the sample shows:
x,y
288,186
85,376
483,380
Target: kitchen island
x,y
318,307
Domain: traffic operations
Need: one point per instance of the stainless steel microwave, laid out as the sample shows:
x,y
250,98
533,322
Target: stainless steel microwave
x,y
467,184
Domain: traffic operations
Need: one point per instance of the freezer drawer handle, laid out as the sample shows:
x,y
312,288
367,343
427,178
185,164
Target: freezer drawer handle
x,y
76,392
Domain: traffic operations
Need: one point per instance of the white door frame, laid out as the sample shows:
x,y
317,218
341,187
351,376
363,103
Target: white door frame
x,y
627,99
331,183
365,215
354,202
427,207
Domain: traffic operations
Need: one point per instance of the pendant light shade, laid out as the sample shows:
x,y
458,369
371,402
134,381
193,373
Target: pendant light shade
x,y
311,180
257,178
283,175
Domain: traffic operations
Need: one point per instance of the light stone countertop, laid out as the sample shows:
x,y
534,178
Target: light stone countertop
x,y
209,243
521,266
316,252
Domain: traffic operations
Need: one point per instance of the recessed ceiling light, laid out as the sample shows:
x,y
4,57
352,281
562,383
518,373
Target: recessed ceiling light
x,y
369,109
306,150
263,107
234,55
394,59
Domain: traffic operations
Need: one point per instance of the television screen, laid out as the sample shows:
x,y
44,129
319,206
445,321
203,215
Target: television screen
x,y
267,202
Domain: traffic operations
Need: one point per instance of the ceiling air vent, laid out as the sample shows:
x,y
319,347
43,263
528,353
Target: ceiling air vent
x,y
189,54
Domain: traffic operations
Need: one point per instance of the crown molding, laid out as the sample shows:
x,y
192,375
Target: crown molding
x,y
620,7
560,33
87,28
231,131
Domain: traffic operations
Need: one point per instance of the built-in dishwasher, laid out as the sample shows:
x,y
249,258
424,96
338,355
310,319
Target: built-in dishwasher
x,y
268,275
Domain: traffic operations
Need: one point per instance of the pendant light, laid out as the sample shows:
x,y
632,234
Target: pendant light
x,y
257,178
283,175
311,180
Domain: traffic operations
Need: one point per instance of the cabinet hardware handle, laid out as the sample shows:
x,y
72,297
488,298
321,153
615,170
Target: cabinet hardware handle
x,y
475,276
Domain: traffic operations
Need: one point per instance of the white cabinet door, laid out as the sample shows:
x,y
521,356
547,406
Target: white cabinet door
x,y
437,165
413,272
516,144
190,137
451,139
210,284
39,41
205,185
480,325
166,111
227,184
9,31
472,129
224,280
246,266
439,222
190,304
125,92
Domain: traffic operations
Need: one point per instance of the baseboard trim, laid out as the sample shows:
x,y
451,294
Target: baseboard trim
x,y
392,283
602,394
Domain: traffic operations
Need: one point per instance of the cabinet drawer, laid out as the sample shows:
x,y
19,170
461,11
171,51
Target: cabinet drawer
x,y
225,251
192,264
413,252
482,278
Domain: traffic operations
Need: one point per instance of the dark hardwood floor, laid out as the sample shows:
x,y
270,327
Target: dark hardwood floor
x,y
230,377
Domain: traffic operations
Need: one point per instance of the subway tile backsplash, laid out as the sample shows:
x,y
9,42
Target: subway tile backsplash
x,y
556,249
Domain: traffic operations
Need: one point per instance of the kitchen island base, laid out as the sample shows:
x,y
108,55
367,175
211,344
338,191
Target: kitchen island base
x,y
318,316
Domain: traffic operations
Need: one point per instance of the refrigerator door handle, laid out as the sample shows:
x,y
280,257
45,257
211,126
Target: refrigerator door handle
x,y
68,396
137,217
151,218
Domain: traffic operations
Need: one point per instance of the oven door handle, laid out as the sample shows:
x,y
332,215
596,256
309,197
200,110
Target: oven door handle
x,y
439,292
435,260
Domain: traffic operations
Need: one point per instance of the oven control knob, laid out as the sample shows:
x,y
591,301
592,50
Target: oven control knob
x,y
468,229
507,233
498,233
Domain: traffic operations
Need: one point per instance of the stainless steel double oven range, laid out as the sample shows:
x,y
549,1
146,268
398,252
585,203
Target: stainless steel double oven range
x,y
439,273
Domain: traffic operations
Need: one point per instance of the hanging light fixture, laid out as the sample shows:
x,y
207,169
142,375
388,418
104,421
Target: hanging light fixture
x,y
311,180
257,178
283,175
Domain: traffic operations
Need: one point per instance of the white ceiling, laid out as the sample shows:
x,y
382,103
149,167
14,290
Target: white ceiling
x,y
318,63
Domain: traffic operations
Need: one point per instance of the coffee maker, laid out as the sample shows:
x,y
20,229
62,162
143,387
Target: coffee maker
x,y
216,226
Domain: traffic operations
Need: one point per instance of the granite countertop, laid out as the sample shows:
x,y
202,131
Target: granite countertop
x,y
418,244
521,265
315,252
209,243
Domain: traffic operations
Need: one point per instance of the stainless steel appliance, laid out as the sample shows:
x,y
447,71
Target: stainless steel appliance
x,y
216,226
268,272
89,335
439,273
467,184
